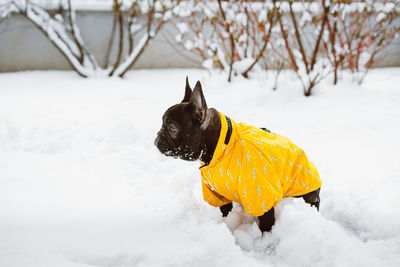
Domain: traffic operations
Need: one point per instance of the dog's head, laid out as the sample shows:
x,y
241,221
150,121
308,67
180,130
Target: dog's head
x,y
183,125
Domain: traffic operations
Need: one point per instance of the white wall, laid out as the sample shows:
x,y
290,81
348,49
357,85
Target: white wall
x,y
24,47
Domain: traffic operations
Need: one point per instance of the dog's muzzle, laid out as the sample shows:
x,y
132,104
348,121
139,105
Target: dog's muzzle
x,y
164,142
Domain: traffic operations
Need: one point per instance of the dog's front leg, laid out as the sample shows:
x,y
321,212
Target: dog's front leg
x,y
267,220
225,209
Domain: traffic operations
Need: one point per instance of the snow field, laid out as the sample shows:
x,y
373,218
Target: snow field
x,y
81,183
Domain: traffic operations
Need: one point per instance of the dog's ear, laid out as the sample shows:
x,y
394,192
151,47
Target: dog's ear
x,y
198,103
188,91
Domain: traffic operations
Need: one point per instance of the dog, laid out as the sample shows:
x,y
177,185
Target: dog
x,y
239,163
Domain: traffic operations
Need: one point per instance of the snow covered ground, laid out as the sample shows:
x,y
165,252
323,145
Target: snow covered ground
x,y
81,183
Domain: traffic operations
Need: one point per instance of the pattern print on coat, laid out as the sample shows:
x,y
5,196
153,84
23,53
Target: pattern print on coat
x,y
215,186
271,144
272,188
304,185
299,166
229,174
238,163
255,171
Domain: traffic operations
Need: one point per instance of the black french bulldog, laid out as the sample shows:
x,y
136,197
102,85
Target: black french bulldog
x,y
190,131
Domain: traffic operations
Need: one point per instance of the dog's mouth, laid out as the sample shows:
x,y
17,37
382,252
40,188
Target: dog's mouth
x,y
185,153
164,142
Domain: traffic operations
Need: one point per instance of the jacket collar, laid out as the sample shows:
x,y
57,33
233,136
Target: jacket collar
x,y
225,140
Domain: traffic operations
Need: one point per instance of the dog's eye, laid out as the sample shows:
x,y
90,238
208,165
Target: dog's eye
x,y
172,128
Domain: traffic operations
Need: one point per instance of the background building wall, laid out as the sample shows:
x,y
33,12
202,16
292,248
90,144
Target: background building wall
x,y
24,47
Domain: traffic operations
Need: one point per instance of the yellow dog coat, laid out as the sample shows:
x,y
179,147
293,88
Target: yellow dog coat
x,y
255,168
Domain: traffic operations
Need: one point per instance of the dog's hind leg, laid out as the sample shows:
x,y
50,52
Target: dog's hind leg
x,y
225,209
267,220
312,198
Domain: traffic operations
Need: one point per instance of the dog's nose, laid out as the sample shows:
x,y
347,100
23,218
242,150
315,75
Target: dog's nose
x,y
157,139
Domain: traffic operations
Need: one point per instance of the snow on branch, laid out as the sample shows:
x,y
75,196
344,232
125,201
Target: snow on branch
x,y
359,33
63,32
228,35
64,35
313,39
